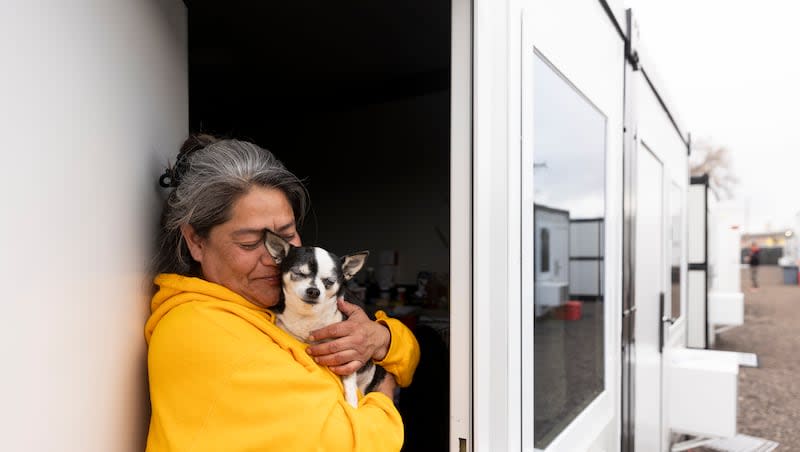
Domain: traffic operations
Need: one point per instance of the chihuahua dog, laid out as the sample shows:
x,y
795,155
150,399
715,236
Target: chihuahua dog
x,y
312,280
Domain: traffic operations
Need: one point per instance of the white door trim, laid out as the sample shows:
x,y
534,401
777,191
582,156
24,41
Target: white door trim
x,y
461,228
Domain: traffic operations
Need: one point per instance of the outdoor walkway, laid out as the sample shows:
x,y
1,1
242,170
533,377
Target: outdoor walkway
x,y
769,396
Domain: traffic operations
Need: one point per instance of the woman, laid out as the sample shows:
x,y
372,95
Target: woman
x,y
222,376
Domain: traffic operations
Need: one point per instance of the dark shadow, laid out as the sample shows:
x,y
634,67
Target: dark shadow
x,y
425,404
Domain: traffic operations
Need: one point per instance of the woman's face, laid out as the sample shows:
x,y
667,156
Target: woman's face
x,y
234,255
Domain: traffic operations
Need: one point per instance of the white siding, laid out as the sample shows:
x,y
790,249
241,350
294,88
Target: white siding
x,y
94,100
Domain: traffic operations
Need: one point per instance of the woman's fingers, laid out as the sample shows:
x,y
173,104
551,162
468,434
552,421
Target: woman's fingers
x,y
347,345
332,331
347,308
342,363
355,318
355,342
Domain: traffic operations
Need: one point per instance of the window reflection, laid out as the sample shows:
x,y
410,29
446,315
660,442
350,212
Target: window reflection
x,y
569,214
544,258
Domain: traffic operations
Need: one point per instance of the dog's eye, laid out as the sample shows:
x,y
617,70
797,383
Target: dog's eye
x,y
328,283
297,275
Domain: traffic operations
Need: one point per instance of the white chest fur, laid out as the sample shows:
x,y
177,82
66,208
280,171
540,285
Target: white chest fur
x,y
301,324
300,318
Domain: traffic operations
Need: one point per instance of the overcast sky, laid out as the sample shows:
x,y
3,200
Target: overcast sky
x,y
732,73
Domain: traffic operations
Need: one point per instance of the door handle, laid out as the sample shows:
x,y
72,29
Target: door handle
x,y
664,319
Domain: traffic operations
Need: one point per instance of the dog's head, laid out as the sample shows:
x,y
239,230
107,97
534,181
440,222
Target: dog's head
x,y
311,274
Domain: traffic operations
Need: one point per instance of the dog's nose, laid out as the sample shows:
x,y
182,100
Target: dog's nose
x,y
312,292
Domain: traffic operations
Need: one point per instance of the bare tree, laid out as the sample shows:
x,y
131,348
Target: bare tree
x,y
714,160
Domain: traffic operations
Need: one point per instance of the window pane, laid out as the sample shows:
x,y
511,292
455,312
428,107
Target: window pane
x,y
676,219
569,203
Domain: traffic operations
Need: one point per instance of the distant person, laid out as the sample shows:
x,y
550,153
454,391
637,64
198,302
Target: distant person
x,y
753,259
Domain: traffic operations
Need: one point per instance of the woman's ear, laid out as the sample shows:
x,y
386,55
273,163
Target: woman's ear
x,y
193,241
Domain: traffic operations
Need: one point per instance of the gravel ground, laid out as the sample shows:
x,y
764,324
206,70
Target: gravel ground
x,y
769,396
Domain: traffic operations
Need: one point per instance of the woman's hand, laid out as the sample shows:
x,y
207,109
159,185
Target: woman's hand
x,y
352,342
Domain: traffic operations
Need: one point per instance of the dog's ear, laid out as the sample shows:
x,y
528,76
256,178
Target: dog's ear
x,y
278,247
352,263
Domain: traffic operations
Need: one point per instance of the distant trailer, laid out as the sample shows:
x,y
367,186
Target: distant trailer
x,y
552,274
715,300
586,257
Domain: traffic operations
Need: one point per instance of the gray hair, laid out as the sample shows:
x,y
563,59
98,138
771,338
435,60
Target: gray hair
x,y
210,175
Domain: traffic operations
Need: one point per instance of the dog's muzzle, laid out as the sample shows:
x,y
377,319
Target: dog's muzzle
x,y
311,295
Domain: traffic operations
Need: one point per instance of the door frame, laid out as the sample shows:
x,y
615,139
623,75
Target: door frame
x,y
461,220
628,320
659,326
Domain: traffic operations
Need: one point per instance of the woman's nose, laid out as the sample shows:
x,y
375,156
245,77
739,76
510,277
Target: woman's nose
x,y
266,258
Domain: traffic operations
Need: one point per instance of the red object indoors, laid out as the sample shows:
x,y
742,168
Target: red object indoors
x,y
571,310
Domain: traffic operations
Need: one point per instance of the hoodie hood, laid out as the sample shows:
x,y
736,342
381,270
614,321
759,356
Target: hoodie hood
x,y
175,290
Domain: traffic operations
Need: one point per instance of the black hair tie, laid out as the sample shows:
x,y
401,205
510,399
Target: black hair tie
x,y
172,176
166,179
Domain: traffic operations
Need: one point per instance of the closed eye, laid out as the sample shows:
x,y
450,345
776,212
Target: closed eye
x,y
328,282
296,275
251,246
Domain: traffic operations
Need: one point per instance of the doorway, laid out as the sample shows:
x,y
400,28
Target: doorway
x,y
355,100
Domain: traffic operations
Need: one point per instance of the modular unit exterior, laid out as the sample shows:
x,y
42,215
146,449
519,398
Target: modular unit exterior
x,y
715,299
698,331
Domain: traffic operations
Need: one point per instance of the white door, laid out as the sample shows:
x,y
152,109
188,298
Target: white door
x,y
553,259
649,299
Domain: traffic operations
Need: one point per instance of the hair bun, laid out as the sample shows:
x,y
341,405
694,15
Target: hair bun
x,y
196,141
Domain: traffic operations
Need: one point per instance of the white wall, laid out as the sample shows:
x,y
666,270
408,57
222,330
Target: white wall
x,y
696,213
726,239
94,99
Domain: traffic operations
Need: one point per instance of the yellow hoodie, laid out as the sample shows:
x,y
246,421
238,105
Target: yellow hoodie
x,y
224,378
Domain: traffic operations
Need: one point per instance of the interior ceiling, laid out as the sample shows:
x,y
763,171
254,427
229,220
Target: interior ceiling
x,y
328,55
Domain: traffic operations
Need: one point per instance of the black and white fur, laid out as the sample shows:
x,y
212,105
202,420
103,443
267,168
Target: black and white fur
x,y
312,280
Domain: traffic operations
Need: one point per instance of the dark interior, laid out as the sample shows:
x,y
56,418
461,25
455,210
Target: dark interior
x,y
265,69
354,97
283,60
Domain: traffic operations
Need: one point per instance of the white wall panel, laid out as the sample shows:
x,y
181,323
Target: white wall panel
x,y
659,134
696,219
583,278
94,100
585,239
495,225
696,307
